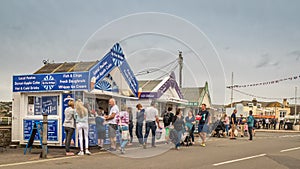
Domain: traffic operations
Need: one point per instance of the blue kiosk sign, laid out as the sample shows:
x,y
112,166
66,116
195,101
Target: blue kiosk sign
x,y
50,82
78,80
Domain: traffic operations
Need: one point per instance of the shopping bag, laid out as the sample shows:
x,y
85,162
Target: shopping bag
x,y
158,134
125,134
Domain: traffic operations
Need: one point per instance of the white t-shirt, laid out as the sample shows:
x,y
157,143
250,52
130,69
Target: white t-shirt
x,y
151,113
114,109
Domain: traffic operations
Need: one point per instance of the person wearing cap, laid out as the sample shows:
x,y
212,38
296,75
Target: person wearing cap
x,y
69,125
151,118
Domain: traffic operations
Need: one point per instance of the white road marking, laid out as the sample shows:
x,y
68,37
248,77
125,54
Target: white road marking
x,y
44,160
241,159
289,136
291,149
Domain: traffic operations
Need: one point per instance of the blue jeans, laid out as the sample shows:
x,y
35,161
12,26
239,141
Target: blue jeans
x,y
139,132
179,135
150,125
123,142
69,133
227,128
130,131
250,132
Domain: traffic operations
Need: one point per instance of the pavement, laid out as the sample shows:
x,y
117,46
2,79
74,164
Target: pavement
x,y
266,147
277,131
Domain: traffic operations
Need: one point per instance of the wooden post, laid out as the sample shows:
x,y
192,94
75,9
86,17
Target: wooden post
x,y
45,133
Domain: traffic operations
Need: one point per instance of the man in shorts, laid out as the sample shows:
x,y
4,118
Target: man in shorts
x,y
203,126
111,121
233,124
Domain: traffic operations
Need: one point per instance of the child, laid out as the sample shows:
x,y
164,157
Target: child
x,y
246,129
100,127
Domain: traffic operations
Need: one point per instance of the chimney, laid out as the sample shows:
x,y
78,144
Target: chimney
x,y
254,101
285,103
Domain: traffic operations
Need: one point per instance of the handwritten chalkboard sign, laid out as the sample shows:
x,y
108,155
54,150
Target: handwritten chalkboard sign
x,y
49,105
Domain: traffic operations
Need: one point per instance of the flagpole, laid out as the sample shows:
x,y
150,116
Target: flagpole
x,y
295,104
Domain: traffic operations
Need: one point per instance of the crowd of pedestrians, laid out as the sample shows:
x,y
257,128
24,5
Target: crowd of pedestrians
x,y
176,126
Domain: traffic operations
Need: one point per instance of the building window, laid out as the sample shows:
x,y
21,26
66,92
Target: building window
x,y
37,105
258,105
250,104
282,114
30,105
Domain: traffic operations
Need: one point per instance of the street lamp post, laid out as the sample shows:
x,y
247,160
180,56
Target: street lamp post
x,y
295,105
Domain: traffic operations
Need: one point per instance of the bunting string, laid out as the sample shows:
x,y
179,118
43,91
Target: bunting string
x,y
265,83
266,98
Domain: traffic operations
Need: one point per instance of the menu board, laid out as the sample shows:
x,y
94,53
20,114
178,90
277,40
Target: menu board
x,y
93,138
45,104
52,129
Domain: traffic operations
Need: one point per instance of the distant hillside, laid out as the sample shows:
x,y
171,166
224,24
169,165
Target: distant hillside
x,y
5,108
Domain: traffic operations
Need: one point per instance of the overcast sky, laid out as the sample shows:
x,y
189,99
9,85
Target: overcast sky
x,y
258,40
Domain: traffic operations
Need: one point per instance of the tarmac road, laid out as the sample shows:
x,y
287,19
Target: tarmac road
x,y
267,150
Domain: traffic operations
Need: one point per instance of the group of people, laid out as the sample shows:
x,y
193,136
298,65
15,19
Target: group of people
x,y
174,125
245,124
76,116
270,123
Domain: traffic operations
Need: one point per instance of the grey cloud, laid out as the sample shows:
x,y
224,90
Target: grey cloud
x,y
267,61
263,61
296,54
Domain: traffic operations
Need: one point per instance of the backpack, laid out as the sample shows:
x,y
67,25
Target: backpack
x,y
167,118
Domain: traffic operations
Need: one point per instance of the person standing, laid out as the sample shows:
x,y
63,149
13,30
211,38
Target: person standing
x,y
233,124
267,123
100,127
226,123
178,123
203,126
151,118
111,120
69,125
129,110
250,122
190,123
140,117
122,120
241,125
275,123
167,120
81,117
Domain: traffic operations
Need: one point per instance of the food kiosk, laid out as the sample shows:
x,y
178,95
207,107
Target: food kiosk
x,y
48,90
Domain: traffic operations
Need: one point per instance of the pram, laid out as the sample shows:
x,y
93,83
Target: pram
x,y
186,138
173,136
219,130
